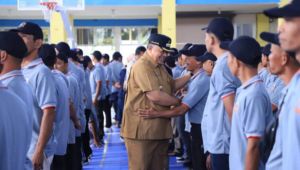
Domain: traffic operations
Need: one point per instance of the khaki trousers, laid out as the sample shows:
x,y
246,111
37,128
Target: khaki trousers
x,y
146,154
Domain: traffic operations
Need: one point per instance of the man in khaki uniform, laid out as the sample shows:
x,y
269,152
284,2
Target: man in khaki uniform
x,y
150,85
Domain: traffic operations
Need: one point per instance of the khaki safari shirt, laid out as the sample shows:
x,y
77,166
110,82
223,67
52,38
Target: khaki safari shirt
x,y
146,75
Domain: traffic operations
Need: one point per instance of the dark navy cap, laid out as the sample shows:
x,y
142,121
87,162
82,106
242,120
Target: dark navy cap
x,y
245,49
48,54
267,49
290,10
164,42
106,56
63,57
194,50
73,55
53,45
30,28
170,60
13,44
63,47
86,60
97,54
175,52
222,28
117,55
207,56
79,51
274,39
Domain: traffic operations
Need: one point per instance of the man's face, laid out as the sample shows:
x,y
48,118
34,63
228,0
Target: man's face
x,y
158,54
120,59
90,65
290,34
208,66
29,41
61,66
104,61
140,55
191,63
275,58
232,63
184,58
264,60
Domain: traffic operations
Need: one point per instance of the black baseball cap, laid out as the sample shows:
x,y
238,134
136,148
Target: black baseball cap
x,y
30,28
245,49
13,44
206,56
97,55
194,50
73,55
170,60
290,10
222,28
63,47
117,55
78,51
267,49
106,57
48,54
53,45
63,57
175,52
274,39
86,60
164,42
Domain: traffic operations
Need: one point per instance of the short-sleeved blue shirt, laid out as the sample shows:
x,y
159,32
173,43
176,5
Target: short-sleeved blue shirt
x,y
108,73
87,91
204,129
15,130
274,86
222,84
290,115
74,96
252,112
96,76
82,85
41,83
116,67
62,111
104,91
196,96
263,73
176,72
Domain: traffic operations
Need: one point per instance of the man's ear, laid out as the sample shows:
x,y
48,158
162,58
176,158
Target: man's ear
x,y
3,56
38,43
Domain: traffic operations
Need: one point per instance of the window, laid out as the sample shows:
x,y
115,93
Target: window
x,y
245,29
104,36
85,36
129,36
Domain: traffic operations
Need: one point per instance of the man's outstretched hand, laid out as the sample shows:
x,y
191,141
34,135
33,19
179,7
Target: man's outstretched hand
x,y
148,113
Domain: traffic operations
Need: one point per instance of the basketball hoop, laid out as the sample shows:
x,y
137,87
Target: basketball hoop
x,y
48,8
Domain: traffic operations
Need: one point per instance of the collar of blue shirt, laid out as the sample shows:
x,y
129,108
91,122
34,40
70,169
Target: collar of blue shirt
x,y
251,81
34,63
201,70
222,57
11,74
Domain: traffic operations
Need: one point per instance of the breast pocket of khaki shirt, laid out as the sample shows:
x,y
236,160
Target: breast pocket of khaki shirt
x,y
164,81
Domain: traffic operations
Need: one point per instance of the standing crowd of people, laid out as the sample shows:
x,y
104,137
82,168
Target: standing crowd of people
x,y
226,104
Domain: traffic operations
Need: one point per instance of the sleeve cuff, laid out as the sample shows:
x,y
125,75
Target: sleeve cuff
x,y
258,137
254,135
227,95
47,107
186,105
274,105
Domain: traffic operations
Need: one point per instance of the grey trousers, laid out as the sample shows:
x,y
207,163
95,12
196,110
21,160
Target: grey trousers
x,y
178,145
185,136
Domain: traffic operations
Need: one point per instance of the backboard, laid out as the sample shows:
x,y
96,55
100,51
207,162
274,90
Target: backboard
x,y
66,4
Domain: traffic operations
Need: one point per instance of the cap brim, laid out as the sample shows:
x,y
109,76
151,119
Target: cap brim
x,y
201,58
270,37
225,45
22,31
204,28
185,52
167,49
290,10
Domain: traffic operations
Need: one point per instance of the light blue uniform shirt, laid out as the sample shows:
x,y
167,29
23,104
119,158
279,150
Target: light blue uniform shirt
x,y
15,130
108,73
73,68
252,112
275,158
96,76
176,72
196,96
204,129
87,91
82,105
222,84
16,83
104,90
41,83
74,96
263,73
274,86
291,126
116,68
62,117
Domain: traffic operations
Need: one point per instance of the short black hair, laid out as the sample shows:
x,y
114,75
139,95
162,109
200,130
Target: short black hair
x,y
117,55
139,50
106,57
